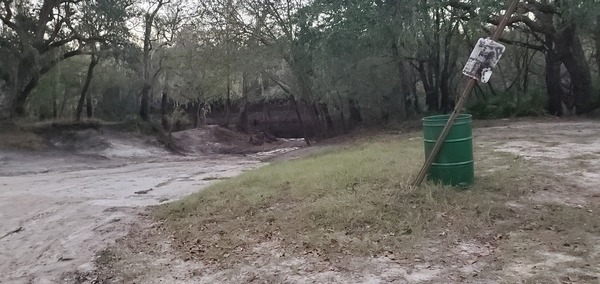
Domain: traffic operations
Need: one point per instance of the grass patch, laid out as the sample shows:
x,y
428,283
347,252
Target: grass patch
x,y
355,201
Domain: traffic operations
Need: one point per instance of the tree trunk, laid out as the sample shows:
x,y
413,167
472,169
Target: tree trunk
x,y
88,79
63,104
164,105
21,98
7,91
244,125
54,107
30,67
342,116
355,116
343,119
197,116
228,100
404,90
89,111
579,71
431,97
317,124
403,85
597,41
300,121
145,102
328,120
415,96
445,91
26,79
147,48
553,86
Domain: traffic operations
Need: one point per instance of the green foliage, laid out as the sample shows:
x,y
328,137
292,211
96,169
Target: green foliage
x,y
378,54
59,88
510,104
116,103
115,89
106,20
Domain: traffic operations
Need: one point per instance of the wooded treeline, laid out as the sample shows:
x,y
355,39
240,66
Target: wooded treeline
x,y
334,63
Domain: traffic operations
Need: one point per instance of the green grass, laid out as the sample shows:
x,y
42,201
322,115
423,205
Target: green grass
x,y
354,201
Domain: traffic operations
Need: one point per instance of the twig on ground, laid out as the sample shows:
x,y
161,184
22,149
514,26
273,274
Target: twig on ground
x,y
143,191
12,232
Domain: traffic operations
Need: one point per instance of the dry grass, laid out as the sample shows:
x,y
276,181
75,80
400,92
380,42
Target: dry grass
x,y
13,137
343,202
51,127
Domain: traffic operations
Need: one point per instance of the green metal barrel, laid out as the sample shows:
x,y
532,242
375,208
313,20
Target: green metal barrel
x,y
454,164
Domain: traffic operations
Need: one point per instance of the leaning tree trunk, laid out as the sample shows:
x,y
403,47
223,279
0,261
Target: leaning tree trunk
x,y
21,98
86,86
26,79
579,71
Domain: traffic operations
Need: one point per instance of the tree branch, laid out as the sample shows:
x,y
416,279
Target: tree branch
x,y
45,17
57,29
65,55
523,44
7,19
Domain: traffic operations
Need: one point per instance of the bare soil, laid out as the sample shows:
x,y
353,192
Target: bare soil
x,y
71,219
212,139
549,240
61,206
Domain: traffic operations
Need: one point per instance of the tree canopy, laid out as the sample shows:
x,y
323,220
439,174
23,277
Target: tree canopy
x,y
336,63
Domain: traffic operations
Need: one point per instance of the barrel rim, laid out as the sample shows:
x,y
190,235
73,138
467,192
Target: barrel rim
x,y
445,117
457,164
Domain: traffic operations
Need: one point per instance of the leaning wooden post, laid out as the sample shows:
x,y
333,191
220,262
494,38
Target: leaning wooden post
x,y
512,7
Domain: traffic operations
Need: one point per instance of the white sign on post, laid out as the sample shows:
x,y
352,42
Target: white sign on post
x,y
483,59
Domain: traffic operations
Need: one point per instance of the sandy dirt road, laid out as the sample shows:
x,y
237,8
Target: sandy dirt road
x,y
58,210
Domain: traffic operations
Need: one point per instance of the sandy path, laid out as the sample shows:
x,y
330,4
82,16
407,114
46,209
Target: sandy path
x,y
71,207
568,149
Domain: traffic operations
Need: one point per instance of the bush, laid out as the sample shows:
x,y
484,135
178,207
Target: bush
x,y
511,104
